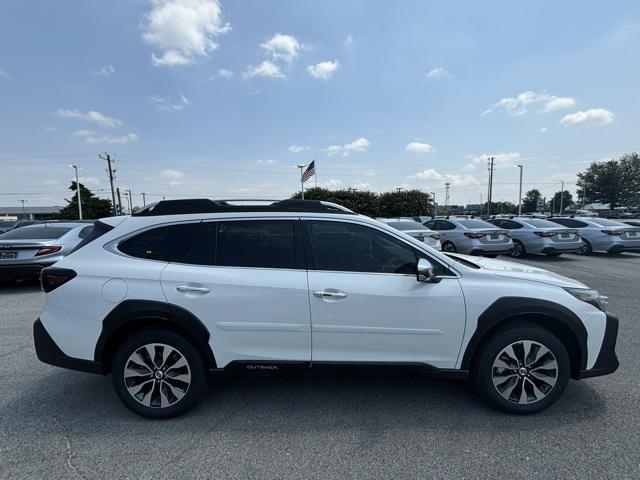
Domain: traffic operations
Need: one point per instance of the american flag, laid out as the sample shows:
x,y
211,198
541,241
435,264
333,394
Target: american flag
x,y
309,172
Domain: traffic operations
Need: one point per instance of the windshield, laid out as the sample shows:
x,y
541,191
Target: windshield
x,y
35,233
474,223
539,223
603,222
407,225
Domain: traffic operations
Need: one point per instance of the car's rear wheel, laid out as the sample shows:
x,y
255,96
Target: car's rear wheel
x,y
449,247
523,369
159,374
518,249
586,248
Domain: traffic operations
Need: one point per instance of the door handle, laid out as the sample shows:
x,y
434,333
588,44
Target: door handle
x,y
192,289
329,294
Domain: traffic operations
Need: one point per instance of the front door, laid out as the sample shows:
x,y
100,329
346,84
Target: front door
x,y
367,305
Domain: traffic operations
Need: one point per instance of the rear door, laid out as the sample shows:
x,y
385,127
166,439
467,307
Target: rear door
x,y
246,281
367,305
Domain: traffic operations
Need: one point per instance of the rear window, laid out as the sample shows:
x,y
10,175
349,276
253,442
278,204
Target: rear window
x,y
473,223
89,233
539,223
35,233
167,244
569,222
407,225
603,222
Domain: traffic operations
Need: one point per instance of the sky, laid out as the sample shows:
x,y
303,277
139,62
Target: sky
x,y
222,99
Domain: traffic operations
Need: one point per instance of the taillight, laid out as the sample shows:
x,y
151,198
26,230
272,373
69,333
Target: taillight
x,y
545,234
48,250
435,236
474,234
613,232
52,277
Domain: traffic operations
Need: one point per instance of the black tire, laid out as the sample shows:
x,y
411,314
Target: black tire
x,y
482,375
167,389
586,249
449,247
518,249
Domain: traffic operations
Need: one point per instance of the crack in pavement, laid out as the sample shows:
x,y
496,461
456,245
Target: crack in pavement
x,y
69,448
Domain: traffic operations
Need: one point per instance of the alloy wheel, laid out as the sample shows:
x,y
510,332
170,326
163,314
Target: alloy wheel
x,y
518,250
157,375
524,372
449,247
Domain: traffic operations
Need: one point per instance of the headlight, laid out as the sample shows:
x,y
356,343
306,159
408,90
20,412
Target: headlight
x,y
590,296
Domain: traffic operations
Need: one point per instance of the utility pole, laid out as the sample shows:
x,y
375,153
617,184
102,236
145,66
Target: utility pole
x,y
520,194
301,167
144,199
561,195
119,209
130,201
481,205
75,167
446,196
110,170
24,210
490,192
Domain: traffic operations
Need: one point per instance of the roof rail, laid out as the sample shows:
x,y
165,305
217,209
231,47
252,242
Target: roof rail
x,y
205,205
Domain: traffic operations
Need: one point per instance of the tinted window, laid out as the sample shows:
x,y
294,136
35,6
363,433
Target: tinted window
x,y
603,222
511,225
569,222
346,247
203,250
256,243
85,232
35,233
96,231
407,225
168,244
540,223
473,223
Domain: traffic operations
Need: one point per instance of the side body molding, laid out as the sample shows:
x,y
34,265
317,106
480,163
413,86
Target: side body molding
x,y
553,316
136,314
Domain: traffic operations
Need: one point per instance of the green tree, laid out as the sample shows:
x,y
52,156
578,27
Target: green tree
x,y
530,200
501,208
92,206
363,202
616,182
567,200
404,203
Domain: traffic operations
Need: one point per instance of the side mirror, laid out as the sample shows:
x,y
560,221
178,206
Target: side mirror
x,y
425,272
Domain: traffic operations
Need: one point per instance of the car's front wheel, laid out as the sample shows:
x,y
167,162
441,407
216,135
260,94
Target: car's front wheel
x,y
159,374
522,369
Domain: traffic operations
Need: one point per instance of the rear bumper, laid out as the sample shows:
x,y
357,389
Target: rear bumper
x,y
607,361
624,248
551,250
48,352
483,251
22,270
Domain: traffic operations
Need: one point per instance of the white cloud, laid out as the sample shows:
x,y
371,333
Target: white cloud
x,y
173,174
49,182
323,70
283,47
85,132
333,149
500,160
105,71
129,137
49,128
3,75
348,43
90,116
419,147
224,73
182,30
297,148
543,130
167,104
519,104
361,185
439,72
265,69
455,180
359,145
266,161
331,183
593,116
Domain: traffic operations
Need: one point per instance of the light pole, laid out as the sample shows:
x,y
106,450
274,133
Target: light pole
x,y
301,167
520,193
78,191
561,195
24,210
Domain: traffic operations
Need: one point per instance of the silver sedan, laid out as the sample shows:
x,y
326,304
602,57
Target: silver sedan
x,y
603,235
471,236
414,229
535,235
27,250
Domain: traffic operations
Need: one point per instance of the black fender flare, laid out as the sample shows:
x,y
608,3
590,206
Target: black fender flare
x,y
135,314
557,318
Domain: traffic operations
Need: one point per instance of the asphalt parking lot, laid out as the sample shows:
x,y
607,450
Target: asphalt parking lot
x,y
62,424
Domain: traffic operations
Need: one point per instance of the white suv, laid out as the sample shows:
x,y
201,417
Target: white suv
x,y
186,288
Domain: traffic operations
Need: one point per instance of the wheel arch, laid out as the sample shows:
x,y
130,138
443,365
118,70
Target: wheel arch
x,y
556,318
131,316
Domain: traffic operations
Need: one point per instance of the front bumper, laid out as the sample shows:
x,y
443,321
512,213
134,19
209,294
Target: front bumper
x,y
48,352
607,361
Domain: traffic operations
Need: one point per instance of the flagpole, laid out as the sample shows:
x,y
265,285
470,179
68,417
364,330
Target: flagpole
x,y
301,167
315,173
